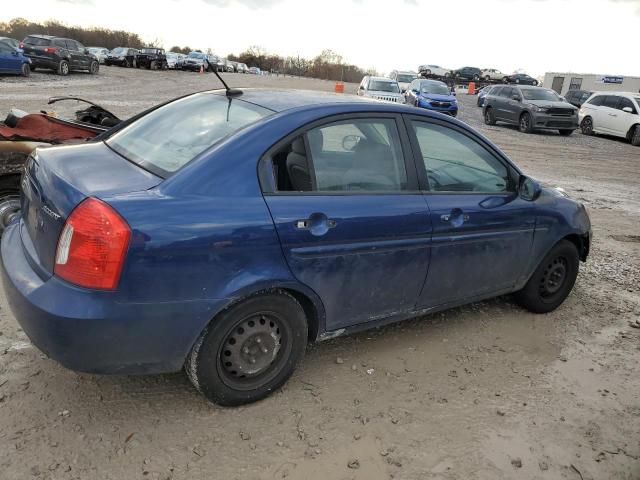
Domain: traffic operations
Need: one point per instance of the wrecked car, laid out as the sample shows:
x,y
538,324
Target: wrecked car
x,y
21,133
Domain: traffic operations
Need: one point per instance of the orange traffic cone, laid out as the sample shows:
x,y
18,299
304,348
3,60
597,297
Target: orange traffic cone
x,y
472,88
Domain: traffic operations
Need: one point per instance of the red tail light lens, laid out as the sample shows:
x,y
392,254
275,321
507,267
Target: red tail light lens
x,y
50,50
92,246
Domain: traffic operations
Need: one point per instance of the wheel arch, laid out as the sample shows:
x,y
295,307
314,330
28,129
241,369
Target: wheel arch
x,y
581,242
631,130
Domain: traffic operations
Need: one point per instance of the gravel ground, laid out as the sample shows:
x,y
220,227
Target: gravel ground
x,y
487,391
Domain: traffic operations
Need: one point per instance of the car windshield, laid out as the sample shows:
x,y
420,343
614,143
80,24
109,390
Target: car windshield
x,y
119,51
540,94
384,86
435,88
196,55
166,139
406,77
149,50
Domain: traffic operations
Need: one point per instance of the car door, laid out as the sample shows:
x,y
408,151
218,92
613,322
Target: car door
x,y
622,121
7,58
513,105
608,114
482,229
352,223
500,103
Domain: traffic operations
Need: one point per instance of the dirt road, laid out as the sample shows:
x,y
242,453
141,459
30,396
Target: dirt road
x,y
487,391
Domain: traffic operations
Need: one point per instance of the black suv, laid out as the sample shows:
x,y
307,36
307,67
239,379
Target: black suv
x,y
123,57
152,58
62,55
468,73
520,79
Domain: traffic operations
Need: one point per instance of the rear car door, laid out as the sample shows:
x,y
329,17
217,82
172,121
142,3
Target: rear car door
x,y
352,223
482,229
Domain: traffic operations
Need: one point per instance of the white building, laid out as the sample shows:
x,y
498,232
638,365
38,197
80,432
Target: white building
x,y
563,82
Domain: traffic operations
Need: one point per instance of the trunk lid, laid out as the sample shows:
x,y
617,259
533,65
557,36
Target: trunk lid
x,y
57,179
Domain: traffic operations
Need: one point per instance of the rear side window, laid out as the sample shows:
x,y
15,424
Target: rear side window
x,y
37,41
457,163
611,101
506,92
169,137
355,156
6,48
60,42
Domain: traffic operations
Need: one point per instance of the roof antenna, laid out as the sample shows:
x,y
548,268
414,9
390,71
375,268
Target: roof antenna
x,y
231,92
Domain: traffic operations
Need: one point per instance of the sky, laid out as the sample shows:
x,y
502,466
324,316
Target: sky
x,y
535,36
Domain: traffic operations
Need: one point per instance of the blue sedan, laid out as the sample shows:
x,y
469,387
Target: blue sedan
x,y
223,231
432,95
12,60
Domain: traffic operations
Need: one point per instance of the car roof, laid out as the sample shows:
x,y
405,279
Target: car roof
x,y
281,100
604,92
46,37
382,78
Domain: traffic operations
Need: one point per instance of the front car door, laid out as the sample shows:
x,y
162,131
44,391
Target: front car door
x,y
8,61
482,229
623,121
501,103
352,222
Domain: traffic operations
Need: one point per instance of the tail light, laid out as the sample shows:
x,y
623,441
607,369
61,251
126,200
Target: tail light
x,y
92,246
50,50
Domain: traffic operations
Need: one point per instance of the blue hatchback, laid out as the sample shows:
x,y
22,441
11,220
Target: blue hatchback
x,y
432,95
223,231
12,60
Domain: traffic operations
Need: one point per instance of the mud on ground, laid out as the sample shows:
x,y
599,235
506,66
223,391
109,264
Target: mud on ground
x,y
487,391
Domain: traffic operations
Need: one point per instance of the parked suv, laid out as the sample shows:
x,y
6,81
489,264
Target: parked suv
x,y
432,95
434,71
62,55
492,74
612,113
380,88
403,78
577,97
123,57
152,58
468,73
530,108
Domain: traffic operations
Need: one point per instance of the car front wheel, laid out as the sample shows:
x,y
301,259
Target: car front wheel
x,y
552,281
525,123
249,350
587,126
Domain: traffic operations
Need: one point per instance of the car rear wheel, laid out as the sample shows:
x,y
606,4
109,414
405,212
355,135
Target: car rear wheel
x,y
9,200
552,281
525,124
635,136
489,117
26,70
94,67
587,126
565,132
476,78
487,78
63,68
249,350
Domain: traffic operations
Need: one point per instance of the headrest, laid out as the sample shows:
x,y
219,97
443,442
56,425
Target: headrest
x,y
297,146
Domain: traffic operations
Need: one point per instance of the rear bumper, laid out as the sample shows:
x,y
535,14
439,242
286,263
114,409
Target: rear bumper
x,y
98,332
552,122
43,62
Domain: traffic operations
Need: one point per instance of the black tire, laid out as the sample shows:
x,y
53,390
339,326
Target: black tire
x,y
9,199
635,136
267,332
525,124
26,70
565,132
94,68
489,116
505,80
476,78
127,64
487,78
535,83
63,68
552,281
587,126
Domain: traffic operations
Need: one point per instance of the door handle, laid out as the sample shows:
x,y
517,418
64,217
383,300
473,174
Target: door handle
x,y
613,115
317,224
456,217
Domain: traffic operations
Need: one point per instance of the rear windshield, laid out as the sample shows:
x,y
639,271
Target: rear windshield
x,y
382,86
166,139
38,42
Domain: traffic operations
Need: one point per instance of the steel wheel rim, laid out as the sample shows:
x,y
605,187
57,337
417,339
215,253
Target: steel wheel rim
x,y
9,208
554,277
254,351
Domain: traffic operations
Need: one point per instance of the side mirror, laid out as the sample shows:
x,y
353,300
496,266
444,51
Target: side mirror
x,y
350,142
627,109
528,189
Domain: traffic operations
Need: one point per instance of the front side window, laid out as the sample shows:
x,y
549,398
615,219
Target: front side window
x,y
355,156
457,163
167,138
625,102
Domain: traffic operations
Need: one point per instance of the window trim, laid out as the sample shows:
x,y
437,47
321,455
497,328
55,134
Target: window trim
x,y
268,184
513,171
